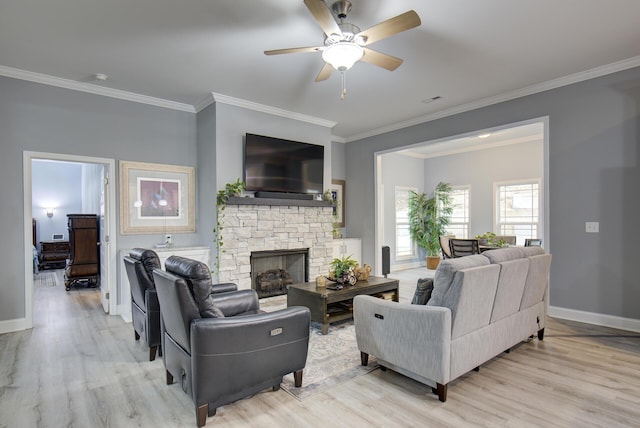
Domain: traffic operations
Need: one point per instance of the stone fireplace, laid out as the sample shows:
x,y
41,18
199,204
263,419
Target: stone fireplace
x,y
254,226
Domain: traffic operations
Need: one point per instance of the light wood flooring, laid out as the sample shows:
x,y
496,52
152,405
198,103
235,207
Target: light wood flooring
x,y
81,368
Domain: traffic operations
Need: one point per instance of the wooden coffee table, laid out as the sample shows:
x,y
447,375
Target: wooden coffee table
x,y
328,306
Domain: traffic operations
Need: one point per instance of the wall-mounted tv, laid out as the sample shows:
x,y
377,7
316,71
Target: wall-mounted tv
x,y
277,165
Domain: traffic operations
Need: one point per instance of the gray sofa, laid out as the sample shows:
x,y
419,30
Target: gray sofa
x,y
481,306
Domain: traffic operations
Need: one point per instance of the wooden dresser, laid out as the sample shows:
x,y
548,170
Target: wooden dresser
x,y
53,254
83,265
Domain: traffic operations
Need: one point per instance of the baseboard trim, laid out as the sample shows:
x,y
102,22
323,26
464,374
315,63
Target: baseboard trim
x,y
125,315
407,265
613,321
10,326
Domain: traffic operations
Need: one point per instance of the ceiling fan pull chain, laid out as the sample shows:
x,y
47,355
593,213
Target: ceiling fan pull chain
x,y
344,86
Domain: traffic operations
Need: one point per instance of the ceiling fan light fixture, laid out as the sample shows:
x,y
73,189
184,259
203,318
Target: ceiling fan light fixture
x,y
342,55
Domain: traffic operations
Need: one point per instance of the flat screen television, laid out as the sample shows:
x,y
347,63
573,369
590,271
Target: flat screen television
x,y
284,166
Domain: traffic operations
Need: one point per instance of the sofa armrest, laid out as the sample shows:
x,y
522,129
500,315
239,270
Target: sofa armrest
x,y
223,287
151,300
415,338
236,302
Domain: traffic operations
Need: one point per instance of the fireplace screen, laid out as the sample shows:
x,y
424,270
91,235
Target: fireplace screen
x,y
273,271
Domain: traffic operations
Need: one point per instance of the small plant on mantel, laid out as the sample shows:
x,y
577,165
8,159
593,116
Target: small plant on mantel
x,y
328,196
230,189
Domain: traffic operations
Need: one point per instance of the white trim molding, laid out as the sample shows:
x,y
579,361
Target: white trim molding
x,y
250,105
11,326
507,96
93,89
605,320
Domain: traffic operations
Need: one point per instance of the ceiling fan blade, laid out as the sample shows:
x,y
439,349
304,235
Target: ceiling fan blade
x,y
321,12
325,73
400,23
381,60
292,50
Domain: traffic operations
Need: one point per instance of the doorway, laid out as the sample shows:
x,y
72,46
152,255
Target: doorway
x,y
98,173
459,159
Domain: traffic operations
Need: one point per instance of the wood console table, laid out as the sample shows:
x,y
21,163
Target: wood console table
x,y
329,306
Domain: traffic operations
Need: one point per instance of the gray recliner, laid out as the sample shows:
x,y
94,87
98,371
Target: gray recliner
x,y
145,310
220,347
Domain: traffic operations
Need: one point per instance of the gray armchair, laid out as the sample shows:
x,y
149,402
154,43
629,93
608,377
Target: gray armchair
x,y
145,310
220,347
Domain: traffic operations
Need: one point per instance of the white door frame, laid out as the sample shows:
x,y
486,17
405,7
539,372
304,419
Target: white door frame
x,y
379,211
110,165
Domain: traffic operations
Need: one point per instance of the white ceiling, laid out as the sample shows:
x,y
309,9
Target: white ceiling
x,y
466,51
532,132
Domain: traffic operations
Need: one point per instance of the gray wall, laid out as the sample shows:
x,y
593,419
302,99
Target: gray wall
x,y
338,160
43,118
594,131
480,170
57,185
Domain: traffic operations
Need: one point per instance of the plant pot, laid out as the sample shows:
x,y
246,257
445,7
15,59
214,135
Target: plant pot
x,y
433,262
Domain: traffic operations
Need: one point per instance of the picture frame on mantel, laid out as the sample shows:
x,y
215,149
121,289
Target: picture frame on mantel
x,y
156,198
337,194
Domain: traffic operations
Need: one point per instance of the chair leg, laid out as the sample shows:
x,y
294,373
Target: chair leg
x,y
275,387
152,353
477,369
441,391
169,378
212,412
201,415
364,358
297,378
541,334
160,350
136,335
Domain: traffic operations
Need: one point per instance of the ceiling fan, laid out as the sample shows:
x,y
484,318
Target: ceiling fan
x,y
345,44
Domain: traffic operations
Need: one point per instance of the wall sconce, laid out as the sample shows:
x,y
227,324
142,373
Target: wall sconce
x,y
49,212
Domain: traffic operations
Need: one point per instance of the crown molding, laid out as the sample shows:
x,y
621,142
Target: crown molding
x,y
93,89
250,105
507,96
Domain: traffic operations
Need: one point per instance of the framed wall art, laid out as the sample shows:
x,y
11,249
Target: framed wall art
x,y
337,194
156,198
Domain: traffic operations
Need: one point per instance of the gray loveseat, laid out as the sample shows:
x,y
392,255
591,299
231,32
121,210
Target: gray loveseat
x,y
481,305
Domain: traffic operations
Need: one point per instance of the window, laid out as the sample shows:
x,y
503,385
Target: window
x,y
518,209
405,248
459,223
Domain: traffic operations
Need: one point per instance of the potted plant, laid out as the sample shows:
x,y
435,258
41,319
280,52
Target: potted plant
x,y
485,238
428,218
230,189
343,270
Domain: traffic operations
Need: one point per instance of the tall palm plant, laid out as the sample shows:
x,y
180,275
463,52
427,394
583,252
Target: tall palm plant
x,y
429,217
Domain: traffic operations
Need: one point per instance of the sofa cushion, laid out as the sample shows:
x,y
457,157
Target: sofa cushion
x,y
446,271
511,253
424,288
471,298
513,275
537,280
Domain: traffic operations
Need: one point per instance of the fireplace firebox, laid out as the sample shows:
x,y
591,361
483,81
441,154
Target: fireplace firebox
x,y
272,271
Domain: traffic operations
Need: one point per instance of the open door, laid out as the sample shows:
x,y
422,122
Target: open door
x,y
104,243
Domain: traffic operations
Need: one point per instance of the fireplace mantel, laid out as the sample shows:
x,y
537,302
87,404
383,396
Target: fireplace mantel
x,y
234,200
